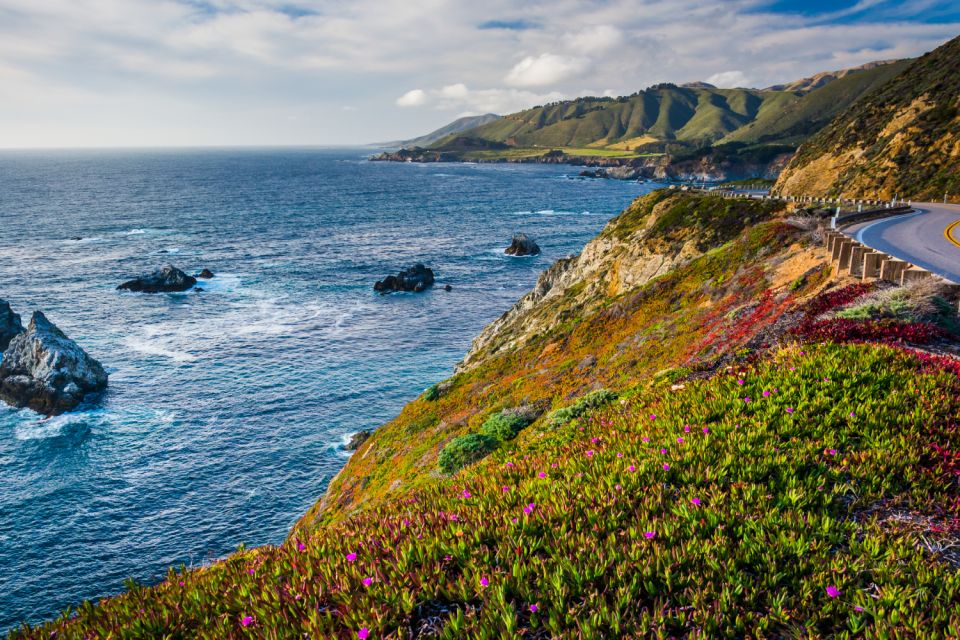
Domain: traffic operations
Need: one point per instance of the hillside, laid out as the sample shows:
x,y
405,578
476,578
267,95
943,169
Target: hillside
x,y
457,126
670,435
820,79
902,139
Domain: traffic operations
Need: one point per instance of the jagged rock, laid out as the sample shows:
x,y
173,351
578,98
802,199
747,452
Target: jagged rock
x,y
357,439
416,278
206,274
522,245
447,287
10,325
165,280
46,371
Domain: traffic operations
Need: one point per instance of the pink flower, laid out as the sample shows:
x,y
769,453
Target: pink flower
x,y
351,557
251,571
181,583
646,439
832,452
679,440
484,582
533,608
666,467
853,415
631,468
706,429
619,455
650,535
590,453
653,416
363,634
663,451
858,608
695,501
465,494
367,582
301,546
789,409
686,429
505,488
740,381
509,464
766,394
832,591
542,475
247,621
529,508
594,440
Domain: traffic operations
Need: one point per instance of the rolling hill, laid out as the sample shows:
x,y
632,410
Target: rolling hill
x,y
903,138
460,124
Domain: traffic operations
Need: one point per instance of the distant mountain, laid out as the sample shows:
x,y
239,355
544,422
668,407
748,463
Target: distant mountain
x,y
821,79
669,117
903,138
457,126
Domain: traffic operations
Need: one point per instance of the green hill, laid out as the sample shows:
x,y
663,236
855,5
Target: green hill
x,y
460,124
673,118
900,139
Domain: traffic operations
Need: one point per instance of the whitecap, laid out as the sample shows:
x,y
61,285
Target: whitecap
x,y
157,348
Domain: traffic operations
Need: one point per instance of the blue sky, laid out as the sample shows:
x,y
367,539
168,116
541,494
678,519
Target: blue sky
x,y
311,72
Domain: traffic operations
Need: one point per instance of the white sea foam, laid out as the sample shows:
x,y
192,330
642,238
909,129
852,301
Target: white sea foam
x,y
136,232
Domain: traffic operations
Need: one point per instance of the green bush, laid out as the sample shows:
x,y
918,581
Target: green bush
x,y
584,404
503,427
464,450
431,394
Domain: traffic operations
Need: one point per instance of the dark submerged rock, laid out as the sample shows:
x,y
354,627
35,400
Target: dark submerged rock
x,y
447,287
357,439
165,280
522,245
206,274
10,325
46,371
417,278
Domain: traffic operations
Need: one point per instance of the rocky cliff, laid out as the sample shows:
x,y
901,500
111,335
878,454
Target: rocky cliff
x,y
902,139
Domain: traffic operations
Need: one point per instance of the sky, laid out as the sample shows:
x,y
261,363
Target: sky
x,y
132,73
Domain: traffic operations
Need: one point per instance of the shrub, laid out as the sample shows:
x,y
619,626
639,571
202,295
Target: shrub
x,y
465,450
431,394
592,400
503,427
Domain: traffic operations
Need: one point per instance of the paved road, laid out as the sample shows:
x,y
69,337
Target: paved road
x,y
929,238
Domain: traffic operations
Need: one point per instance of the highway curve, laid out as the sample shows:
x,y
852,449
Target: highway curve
x,y
929,238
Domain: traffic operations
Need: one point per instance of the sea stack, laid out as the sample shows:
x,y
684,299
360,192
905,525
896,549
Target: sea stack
x,y
46,371
417,278
522,245
10,325
167,279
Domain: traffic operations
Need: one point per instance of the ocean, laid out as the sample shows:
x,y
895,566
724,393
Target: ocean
x,y
227,408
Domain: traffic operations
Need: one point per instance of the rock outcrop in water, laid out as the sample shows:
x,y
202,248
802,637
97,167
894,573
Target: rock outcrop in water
x,y
522,245
417,278
357,439
46,371
168,279
10,325
206,274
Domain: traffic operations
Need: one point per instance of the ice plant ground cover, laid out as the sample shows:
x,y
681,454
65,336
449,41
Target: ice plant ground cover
x,y
833,519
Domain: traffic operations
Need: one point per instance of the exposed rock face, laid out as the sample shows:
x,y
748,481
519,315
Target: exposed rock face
x,y
10,325
206,274
46,371
522,245
357,439
168,279
417,278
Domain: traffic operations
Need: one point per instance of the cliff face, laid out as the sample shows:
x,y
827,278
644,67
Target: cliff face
x,y
902,139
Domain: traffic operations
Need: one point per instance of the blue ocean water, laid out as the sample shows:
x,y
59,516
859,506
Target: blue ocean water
x,y
227,408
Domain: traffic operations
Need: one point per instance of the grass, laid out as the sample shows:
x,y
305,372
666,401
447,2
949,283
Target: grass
x,y
815,509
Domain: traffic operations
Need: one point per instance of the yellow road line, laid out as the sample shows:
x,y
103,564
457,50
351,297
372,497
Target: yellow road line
x,y
951,235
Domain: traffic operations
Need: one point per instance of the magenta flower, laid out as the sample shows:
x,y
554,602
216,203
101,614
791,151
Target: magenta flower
x,y
686,429
766,394
301,546
590,453
509,464
695,501
363,634
367,582
484,582
663,451
679,440
789,409
181,583
251,571
247,621
832,591
505,488
706,429
631,468
542,475
653,416
646,439
351,557
666,467
465,494
650,535
858,608
740,381
832,452
747,399
533,608
529,508
594,440
619,455
853,415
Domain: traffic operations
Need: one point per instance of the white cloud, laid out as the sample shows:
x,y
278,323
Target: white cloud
x,y
729,79
412,98
598,39
545,69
